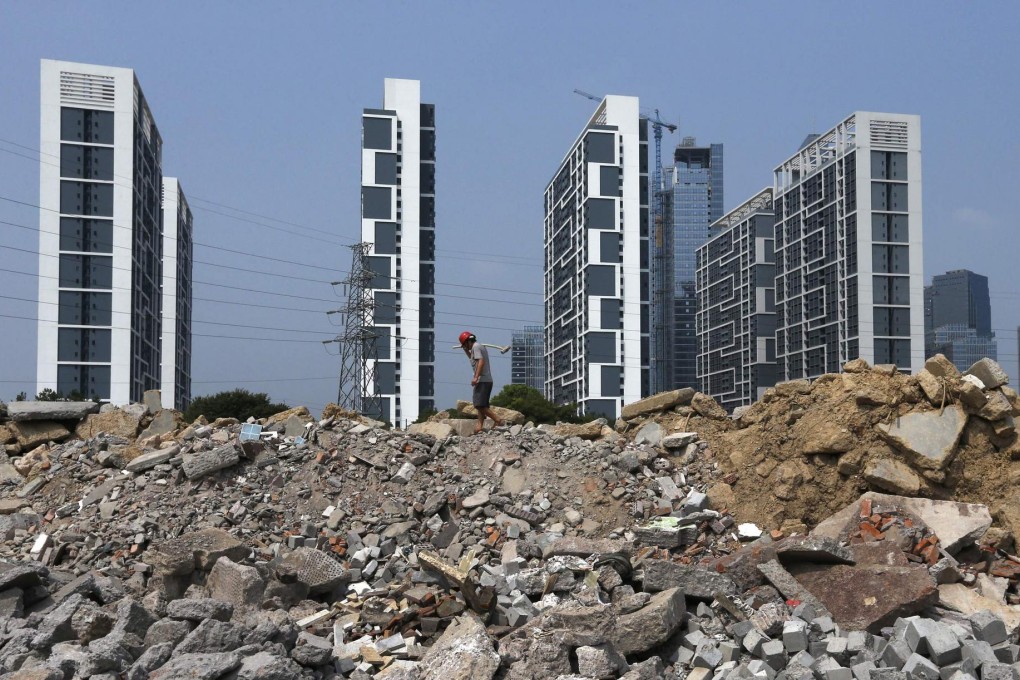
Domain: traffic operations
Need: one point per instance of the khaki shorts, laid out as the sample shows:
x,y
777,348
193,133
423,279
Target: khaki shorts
x,y
481,394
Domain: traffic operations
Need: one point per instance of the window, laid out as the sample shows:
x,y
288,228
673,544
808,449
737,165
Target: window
x,y
85,125
380,266
376,203
611,247
385,308
86,162
601,213
386,168
378,133
600,147
86,271
609,181
83,344
386,238
84,235
84,198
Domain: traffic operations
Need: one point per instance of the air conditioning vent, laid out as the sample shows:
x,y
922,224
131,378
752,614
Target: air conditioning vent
x,y
86,90
889,134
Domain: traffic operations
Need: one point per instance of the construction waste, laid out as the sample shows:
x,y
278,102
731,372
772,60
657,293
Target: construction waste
x,y
861,526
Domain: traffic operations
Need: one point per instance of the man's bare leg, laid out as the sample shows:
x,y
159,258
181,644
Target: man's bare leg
x,y
487,412
481,420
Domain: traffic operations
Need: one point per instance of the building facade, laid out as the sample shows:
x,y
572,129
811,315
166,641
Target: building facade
x,y
736,319
175,350
398,219
958,318
527,357
100,235
848,241
596,264
693,200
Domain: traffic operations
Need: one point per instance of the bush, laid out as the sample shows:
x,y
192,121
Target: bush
x,y
425,415
536,407
239,403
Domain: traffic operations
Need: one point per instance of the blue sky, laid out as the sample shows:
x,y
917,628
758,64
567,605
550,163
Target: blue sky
x,y
259,107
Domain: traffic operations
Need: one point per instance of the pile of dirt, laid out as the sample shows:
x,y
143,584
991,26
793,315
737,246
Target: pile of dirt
x,y
807,449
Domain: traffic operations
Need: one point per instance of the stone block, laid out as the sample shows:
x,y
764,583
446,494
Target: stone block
x,y
438,430
151,459
795,637
695,582
998,671
651,625
199,464
166,421
988,627
649,433
153,401
979,653
32,433
989,372
928,438
119,422
892,476
199,549
20,411
919,668
197,666
199,609
658,402
237,584
707,407
601,661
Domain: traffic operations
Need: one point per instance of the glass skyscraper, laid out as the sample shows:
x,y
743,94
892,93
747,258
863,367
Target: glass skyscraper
x,y
693,200
958,318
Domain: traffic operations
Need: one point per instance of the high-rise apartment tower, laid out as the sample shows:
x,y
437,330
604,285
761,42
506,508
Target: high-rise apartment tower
x,y
175,350
596,264
848,240
100,235
736,305
398,217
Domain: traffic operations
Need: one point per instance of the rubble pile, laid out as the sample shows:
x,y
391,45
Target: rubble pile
x,y
137,545
806,449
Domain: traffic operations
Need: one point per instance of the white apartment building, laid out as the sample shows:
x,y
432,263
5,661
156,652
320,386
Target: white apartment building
x,y
848,241
100,234
175,349
596,264
398,217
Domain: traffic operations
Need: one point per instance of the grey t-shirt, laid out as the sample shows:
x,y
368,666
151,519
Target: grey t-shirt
x,y
479,351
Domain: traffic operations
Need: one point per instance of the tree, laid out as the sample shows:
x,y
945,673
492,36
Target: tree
x,y
21,397
537,408
48,395
238,403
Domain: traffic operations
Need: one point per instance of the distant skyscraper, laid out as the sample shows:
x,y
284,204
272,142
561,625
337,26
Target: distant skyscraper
x,y
596,264
527,358
848,243
100,236
736,305
398,217
177,264
958,318
693,200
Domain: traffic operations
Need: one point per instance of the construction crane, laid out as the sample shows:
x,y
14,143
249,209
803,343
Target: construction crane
x,y
663,287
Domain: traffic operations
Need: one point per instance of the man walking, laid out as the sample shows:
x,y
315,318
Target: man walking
x,y
482,379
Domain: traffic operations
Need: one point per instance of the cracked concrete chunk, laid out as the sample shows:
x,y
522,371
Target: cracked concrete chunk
x,y
651,625
927,437
20,411
893,476
463,652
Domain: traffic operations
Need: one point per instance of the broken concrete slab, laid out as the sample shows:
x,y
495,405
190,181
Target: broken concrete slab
x,y
651,625
32,433
814,549
166,421
200,549
708,407
588,431
507,415
868,597
649,433
117,422
892,476
968,602
20,411
929,438
200,464
788,586
580,546
662,401
463,652
151,459
956,524
694,582
437,430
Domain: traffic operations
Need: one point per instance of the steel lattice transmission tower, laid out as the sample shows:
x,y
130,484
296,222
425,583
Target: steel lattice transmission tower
x,y
357,342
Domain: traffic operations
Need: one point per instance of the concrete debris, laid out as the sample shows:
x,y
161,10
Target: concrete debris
x,y
673,545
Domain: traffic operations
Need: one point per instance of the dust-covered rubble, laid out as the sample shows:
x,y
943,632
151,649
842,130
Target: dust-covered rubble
x,y
658,546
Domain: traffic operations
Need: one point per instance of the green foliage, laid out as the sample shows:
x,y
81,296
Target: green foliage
x,y
426,414
21,397
238,403
537,408
50,395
